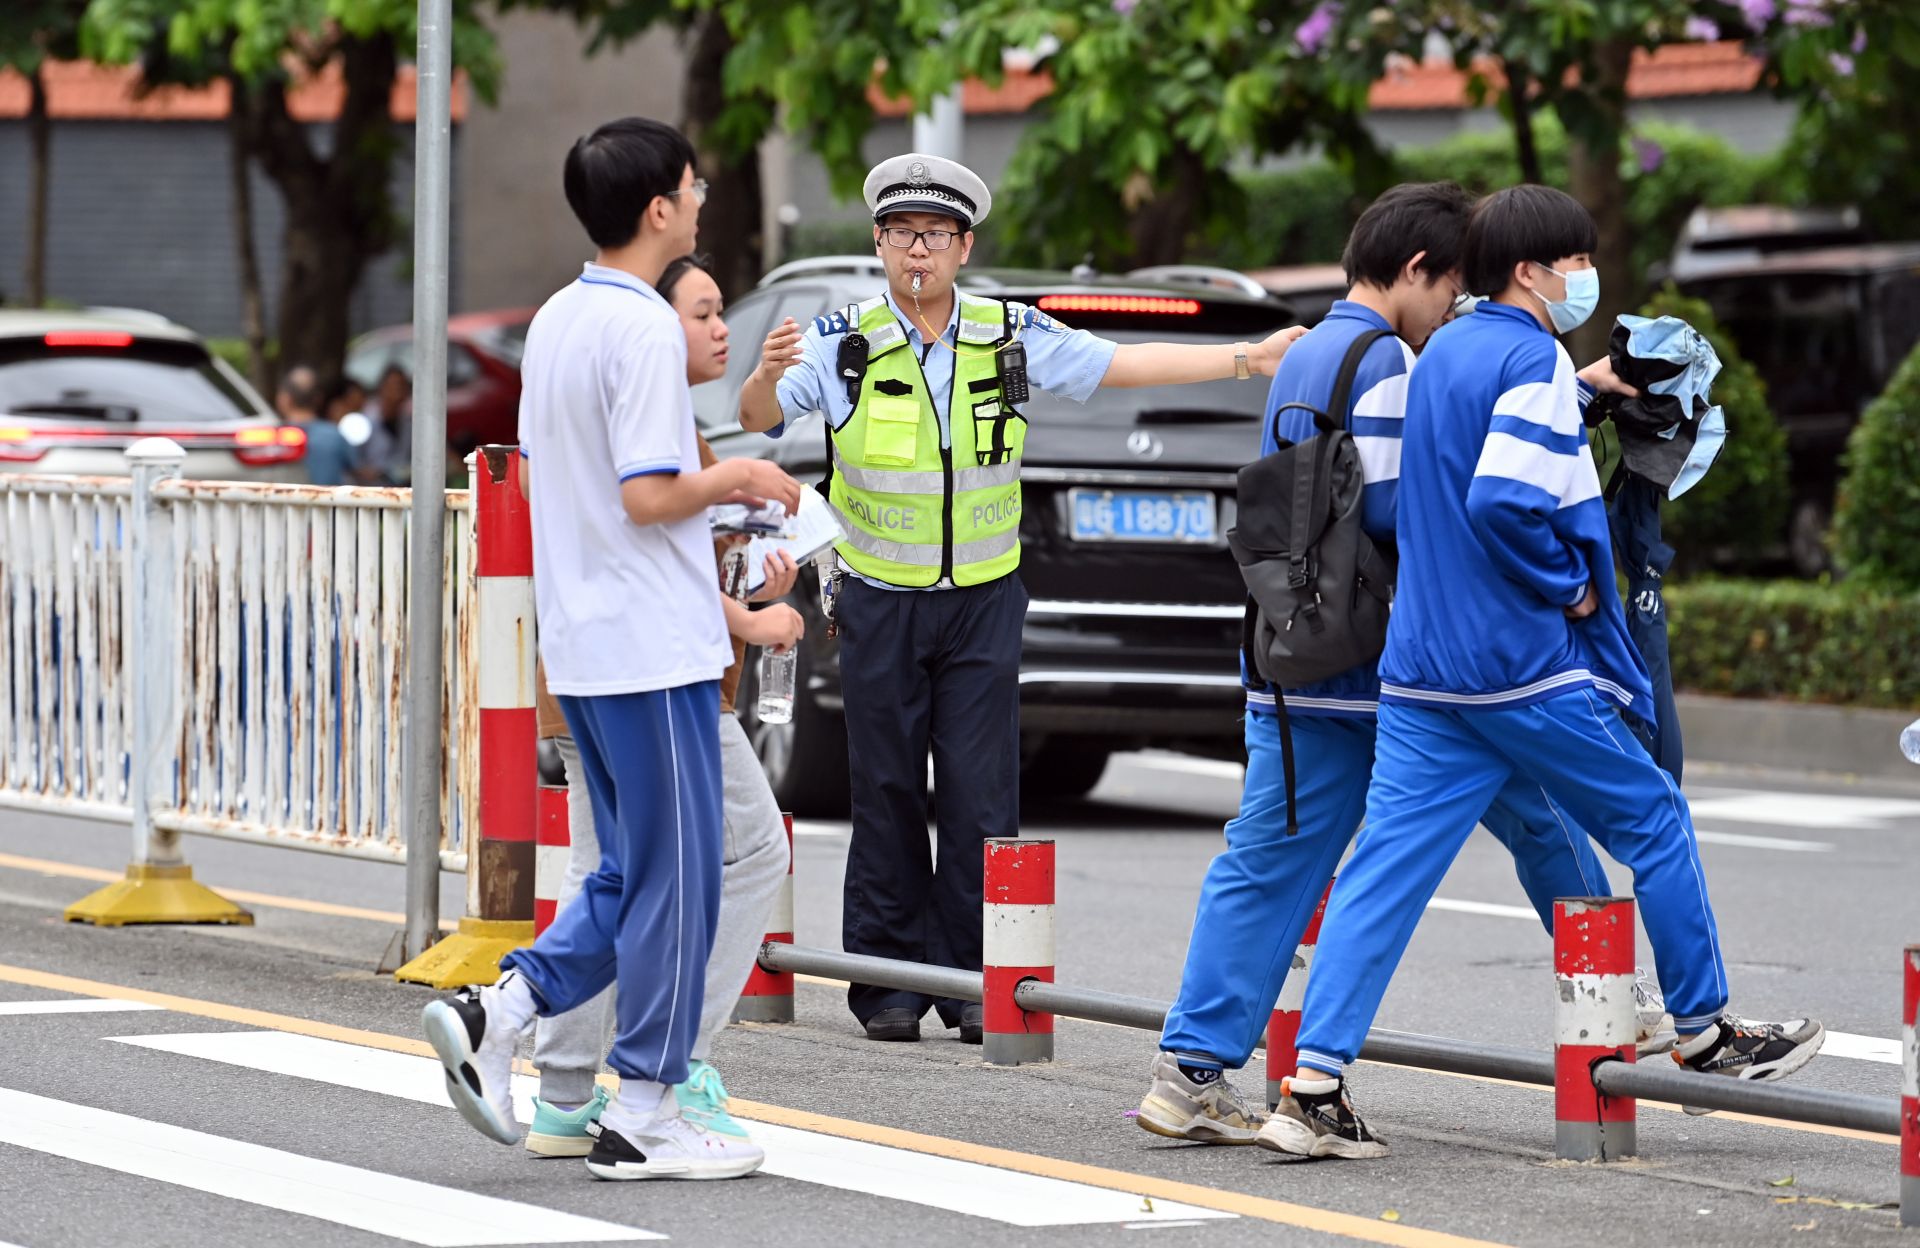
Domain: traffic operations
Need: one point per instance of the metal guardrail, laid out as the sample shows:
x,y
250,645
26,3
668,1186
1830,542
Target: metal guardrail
x,y
1397,1048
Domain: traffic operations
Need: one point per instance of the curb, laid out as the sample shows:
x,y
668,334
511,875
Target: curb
x,y
1795,736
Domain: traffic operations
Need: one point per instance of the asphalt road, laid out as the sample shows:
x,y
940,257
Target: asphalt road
x,y
278,1094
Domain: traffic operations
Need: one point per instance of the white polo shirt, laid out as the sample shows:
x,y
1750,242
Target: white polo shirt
x,y
623,608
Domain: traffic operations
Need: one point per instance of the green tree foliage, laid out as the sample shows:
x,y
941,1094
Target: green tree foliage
x,y
1734,516
1877,521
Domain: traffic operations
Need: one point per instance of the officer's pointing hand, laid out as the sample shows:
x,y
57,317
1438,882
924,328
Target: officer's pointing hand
x,y
1265,357
781,351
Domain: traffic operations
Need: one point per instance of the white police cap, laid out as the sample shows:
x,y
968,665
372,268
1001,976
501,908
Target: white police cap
x,y
919,183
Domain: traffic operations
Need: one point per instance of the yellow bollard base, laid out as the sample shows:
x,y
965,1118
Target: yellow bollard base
x,y
469,956
153,894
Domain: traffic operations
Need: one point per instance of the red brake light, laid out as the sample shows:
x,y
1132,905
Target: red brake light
x,y
88,338
1151,305
17,445
269,444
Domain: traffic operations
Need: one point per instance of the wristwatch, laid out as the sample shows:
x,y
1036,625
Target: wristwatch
x,y
1240,370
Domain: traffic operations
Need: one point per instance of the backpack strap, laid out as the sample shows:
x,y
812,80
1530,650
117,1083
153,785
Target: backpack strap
x,y
1247,632
1313,483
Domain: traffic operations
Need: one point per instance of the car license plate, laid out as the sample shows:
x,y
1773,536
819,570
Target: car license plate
x,y
1142,516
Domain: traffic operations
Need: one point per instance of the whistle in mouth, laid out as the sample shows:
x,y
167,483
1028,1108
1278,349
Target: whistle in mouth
x,y
916,283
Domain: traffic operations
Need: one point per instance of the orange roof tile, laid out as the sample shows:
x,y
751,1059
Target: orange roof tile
x,y
83,91
1677,69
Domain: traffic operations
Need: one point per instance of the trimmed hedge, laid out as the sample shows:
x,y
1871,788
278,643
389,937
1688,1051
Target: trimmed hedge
x,y
1877,522
1803,640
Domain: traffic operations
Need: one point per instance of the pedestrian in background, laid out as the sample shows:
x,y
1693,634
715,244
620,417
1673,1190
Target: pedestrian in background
x,y
568,1047
635,643
302,402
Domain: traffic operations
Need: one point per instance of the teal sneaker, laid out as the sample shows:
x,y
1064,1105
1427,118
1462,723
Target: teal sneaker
x,y
703,1101
563,1132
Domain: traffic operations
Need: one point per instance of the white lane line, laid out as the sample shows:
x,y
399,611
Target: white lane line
x,y
1861,1048
366,1200
851,1165
1743,841
815,827
1805,810
83,1005
1212,768
1484,907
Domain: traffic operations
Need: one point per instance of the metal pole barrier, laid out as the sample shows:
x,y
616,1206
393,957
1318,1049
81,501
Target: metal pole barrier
x,y
553,844
159,886
861,968
768,996
1661,1081
1017,944
432,144
500,855
1910,1090
1283,1027
1593,1023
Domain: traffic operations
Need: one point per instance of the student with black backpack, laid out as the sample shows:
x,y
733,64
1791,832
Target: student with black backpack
x,y
1314,540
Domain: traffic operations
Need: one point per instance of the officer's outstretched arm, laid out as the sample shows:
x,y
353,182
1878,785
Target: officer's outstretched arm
x,y
760,396
1175,364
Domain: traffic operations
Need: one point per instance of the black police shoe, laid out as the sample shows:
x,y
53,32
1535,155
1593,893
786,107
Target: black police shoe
x,y
972,1022
898,1023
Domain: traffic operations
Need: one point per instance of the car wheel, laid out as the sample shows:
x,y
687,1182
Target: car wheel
x,y
1807,538
1063,769
805,759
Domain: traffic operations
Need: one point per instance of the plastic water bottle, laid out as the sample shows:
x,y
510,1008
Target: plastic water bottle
x,y
776,686
1910,741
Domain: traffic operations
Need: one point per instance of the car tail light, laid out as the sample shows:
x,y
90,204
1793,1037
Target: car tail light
x,y
88,338
1150,305
20,445
281,444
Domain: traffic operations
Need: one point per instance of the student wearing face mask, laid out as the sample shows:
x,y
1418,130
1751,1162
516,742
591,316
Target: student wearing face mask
x,y
1508,656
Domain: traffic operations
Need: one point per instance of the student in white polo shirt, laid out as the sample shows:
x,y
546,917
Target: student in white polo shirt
x,y
634,644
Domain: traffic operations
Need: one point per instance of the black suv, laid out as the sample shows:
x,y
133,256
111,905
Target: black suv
x,y
1825,317
1134,626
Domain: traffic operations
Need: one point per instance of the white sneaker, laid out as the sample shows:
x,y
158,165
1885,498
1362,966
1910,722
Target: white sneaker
x,y
669,1148
478,1059
1653,1025
1207,1113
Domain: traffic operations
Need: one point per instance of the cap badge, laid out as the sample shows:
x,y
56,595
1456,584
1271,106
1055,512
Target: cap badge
x,y
918,174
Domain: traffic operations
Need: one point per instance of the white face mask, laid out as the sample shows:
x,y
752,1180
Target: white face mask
x,y
1583,296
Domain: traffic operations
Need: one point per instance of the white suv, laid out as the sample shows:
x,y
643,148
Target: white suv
x,y
76,388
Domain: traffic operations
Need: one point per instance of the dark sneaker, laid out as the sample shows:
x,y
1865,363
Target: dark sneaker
x,y
670,1148
1206,1113
1745,1049
478,1061
1318,1124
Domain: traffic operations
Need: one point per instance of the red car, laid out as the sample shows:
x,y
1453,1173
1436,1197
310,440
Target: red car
x,y
483,371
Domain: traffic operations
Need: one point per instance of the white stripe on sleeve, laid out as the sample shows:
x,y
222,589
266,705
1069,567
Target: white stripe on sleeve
x,y
1387,400
1583,482
1379,458
1532,402
1516,459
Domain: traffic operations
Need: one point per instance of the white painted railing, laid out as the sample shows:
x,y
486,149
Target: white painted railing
x,y
274,659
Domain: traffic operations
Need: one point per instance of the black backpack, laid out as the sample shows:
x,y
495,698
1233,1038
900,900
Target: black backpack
x,y
1318,590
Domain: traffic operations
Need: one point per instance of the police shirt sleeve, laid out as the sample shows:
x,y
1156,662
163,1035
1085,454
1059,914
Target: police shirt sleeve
x,y
1062,361
806,386
646,414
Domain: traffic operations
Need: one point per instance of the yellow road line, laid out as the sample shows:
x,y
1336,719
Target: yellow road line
x,y
1306,1217
1811,1128
72,871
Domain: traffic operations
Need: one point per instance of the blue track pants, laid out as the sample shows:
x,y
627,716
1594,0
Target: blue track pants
x,y
1259,894
1434,771
645,919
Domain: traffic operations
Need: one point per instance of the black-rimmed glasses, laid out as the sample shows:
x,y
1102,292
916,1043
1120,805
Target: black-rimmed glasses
x,y
902,237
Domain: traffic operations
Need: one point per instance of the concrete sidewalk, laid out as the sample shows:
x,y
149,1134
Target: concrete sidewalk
x,y
1795,736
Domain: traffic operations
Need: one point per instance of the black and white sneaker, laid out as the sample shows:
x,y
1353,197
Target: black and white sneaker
x,y
1745,1049
478,1062
669,1148
1317,1119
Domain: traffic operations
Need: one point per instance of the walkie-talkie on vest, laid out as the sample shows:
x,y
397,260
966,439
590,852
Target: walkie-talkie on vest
x,y
1013,374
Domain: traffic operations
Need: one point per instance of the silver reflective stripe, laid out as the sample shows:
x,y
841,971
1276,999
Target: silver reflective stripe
x,y
986,478
986,548
893,552
885,339
981,320
889,481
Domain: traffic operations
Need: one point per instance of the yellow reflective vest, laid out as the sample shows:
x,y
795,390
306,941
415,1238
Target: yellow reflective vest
x,y
914,511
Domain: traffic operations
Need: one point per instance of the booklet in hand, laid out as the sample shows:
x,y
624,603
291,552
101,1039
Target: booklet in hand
x,y
806,536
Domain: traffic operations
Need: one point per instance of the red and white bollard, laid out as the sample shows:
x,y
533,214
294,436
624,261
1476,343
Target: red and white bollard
x,y
553,846
1017,945
1593,1020
768,996
1910,1091
1283,1028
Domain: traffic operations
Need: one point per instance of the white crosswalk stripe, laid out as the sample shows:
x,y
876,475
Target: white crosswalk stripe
x,y
367,1200
851,1165
1837,811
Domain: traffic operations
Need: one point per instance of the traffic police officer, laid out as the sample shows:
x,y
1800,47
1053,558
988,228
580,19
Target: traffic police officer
x,y
921,388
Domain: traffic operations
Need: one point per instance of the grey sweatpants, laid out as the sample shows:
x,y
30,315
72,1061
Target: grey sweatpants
x,y
568,1048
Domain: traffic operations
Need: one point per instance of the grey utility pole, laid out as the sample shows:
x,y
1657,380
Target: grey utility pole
x,y
433,126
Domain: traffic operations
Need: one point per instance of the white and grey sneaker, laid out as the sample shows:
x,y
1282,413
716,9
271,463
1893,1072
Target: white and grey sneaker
x,y
1317,1119
1653,1025
1744,1048
477,1054
1207,1113
669,1148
